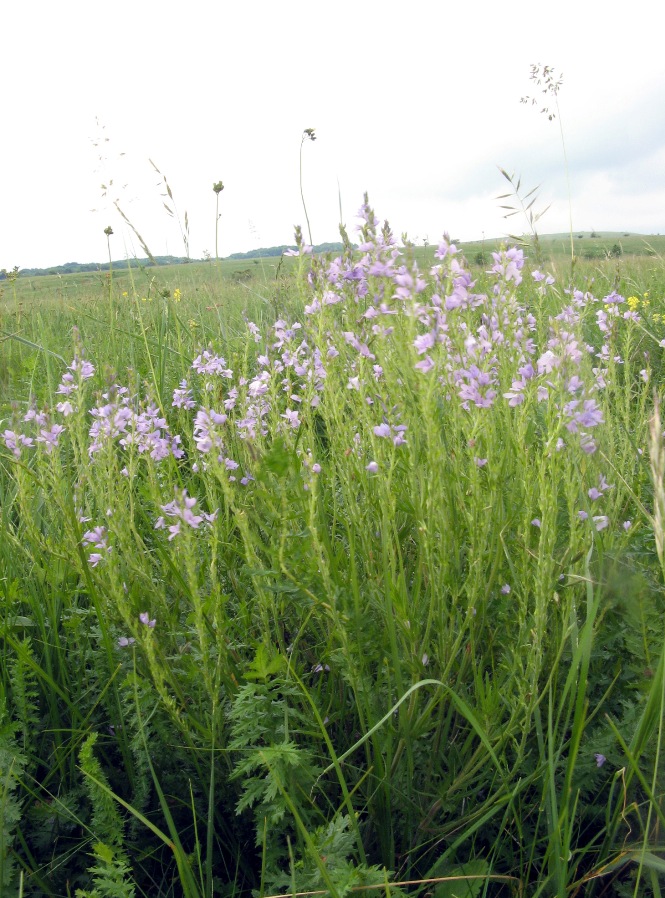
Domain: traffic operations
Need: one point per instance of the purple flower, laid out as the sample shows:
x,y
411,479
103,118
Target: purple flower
x,y
292,418
144,617
505,589
547,362
613,299
207,363
599,759
254,331
591,416
206,434
124,641
424,342
50,437
382,430
535,522
182,397
508,263
181,507
582,515
627,525
601,521
14,441
87,369
95,537
372,467
587,444
480,462
426,365
67,385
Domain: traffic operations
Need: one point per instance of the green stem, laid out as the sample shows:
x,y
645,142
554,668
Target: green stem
x,y
216,227
567,169
302,195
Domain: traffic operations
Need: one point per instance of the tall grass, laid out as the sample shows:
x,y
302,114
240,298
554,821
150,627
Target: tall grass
x,y
351,583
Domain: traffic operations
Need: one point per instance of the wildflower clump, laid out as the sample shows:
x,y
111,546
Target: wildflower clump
x,y
350,570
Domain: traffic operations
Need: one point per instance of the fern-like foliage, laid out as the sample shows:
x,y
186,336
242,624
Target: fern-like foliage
x,y
274,767
12,763
25,692
333,847
110,873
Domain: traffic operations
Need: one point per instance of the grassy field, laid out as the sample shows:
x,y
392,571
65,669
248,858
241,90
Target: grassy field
x,y
642,252
335,575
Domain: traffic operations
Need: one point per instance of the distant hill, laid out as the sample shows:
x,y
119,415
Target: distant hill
x,y
76,267
588,244
266,252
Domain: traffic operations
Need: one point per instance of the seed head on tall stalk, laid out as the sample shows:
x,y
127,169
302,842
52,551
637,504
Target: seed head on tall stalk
x,y
545,78
307,134
108,231
217,187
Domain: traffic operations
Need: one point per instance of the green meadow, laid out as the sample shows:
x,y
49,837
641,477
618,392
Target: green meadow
x,y
335,574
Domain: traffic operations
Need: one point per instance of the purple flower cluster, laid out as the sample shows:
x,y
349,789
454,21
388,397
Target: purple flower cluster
x,y
15,442
595,493
133,425
71,383
474,351
395,432
98,539
40,431
181,509
145,619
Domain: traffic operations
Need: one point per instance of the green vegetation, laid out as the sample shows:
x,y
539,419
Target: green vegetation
x,y
77,267
157,261
335,573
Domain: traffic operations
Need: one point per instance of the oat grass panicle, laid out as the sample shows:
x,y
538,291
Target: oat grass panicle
x,y
307,134
217,188
549,83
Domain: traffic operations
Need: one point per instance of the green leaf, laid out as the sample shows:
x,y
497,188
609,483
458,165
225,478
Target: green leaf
x,y
277,461
466,881
263,667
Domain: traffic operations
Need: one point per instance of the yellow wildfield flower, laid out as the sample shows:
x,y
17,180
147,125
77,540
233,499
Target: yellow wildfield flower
x,y
193,323
633,302
177,295
125,294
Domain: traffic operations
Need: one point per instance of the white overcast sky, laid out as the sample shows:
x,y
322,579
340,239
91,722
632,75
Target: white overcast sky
x,y
416,103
